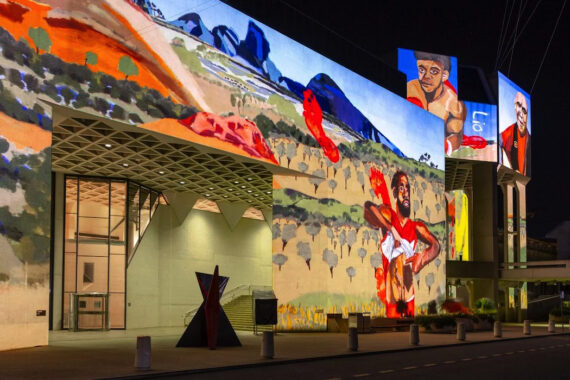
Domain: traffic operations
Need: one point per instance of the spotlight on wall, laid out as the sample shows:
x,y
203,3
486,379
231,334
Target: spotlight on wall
x,y
125,165
182,182
161,172
108,146
243,186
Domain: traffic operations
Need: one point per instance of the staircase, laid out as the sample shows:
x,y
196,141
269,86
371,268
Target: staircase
x,y
240,313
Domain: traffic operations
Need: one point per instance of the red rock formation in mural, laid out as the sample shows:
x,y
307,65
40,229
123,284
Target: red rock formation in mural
x,y
314,118
235,130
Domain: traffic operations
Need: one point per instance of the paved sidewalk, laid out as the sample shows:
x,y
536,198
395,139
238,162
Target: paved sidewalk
x,y
88,355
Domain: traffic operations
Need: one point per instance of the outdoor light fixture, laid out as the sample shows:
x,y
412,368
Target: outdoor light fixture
x,y
182,182
125,165
161,172
210,188
250,191
236,181
249,178
243,186
108,145
225,196
207,195
268,192
230,189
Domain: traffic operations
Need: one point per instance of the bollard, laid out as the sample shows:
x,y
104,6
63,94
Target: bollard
x,y
267,346
414,335
551,327
143,357
498,329
526,327
460,331
352,339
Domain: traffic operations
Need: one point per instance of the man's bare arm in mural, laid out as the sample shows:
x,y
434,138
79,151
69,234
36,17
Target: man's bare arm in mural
x,y
381,217
421,259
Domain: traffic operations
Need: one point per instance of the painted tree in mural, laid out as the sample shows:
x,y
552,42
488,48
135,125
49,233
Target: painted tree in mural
x,y
332,185
360,178
279,259
362,253
337,165
351,272
372,194
41,39
90,58
330,234
376,260
304,250
313,229
416,206
127,66
342,240
303,167
276,231
306,153
318,179
347,175
365,236
437,207
291,152
421,196
350,239
428,212
289,232
430,279
331,259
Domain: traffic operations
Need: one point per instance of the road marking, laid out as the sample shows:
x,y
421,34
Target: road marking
x,y
449,362
532,349
542,348
497,355
466,359
429,364
335,378
386,371
482,357
509,353
410,367
559,345
551,346
521,351
361,375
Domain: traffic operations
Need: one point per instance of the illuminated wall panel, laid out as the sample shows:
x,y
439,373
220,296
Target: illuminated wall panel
x,y
514,126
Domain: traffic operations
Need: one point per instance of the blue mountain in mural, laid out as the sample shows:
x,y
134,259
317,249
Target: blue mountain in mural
x,y
226,39
255,50
334,102
192,23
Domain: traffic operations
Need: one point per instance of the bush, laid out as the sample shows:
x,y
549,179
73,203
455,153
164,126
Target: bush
x,y
485,305
555,312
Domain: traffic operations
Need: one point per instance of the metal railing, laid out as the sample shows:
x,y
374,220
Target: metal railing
x,y
565,264
227,297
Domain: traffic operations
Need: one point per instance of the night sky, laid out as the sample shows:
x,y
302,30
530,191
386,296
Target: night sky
x,y
360,34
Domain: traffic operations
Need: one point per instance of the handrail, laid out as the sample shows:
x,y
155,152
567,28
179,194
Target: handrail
x,y
229,296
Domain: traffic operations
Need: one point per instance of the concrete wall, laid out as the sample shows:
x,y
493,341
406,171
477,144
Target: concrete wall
x,y
161,284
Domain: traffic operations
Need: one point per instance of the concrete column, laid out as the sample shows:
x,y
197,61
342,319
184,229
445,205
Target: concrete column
x,y
508,236
267,345
143,355
460,331
551,328
352,339
414,335
497,329
58,244
526,327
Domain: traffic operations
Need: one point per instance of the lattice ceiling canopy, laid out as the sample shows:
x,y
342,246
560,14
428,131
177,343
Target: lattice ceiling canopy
x,y
86,144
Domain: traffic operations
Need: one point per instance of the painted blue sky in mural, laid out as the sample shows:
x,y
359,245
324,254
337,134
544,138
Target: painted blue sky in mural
x,y
412,130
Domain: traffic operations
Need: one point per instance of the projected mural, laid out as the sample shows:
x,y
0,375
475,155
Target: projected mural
x,y
479,133
514,126
215,77
458,226
432,85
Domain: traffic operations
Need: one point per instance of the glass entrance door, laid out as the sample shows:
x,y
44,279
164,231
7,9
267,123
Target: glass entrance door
x,y
95,244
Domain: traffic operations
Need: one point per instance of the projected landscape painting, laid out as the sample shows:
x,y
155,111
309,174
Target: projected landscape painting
x,y
364,232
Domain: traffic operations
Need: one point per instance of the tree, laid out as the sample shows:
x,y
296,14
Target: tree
x,y
279,259
362,254
347,175
351,272
317,181
332,185
313,228
331,259
41,39
350,239
289,232
90,58
342,240
304,250
127,66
